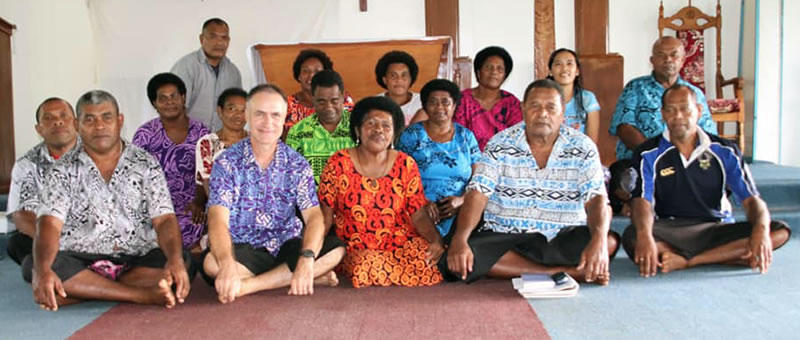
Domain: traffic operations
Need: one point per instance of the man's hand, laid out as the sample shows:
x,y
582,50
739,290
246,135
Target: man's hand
x,y
177,275
460,258
46,285
646,255
449,206
759,253
434,252
228,282
198,212
303,277
594,260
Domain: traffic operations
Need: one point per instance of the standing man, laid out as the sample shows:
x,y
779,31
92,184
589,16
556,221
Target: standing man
x,y
108,203
55,123
207,72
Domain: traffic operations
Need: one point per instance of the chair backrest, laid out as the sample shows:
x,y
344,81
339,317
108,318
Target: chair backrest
x,y
691,18
355,61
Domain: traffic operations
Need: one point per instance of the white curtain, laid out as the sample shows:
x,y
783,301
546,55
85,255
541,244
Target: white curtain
x,y
134,40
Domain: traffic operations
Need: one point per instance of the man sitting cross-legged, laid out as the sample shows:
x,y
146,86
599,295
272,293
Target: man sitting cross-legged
x,y
541,184
683,177
106,226
256,185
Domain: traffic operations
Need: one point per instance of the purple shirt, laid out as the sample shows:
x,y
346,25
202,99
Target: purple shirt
x,y
262,201
485,124
178,163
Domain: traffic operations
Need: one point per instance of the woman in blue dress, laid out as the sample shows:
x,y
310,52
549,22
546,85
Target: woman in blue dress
x,y
445,152
582,111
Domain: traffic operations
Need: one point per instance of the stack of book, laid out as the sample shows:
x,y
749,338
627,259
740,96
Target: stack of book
x,y
543,286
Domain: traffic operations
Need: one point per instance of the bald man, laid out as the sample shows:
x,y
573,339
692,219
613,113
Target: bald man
x,y
637,117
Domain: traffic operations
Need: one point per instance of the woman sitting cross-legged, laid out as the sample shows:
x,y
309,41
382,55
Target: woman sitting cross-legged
x,y
445,152
372,195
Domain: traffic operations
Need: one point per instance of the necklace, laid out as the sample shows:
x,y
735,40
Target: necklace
x,y
373,181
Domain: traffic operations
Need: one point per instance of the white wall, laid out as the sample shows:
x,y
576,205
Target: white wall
x,y
767,128
51,56
66,47
790,115
506,23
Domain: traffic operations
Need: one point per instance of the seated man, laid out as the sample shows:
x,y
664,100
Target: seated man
x,y
541,185
318,136
637,115
107,230
55,123
686,171
256,185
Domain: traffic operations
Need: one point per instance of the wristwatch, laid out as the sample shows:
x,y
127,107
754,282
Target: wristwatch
x,y
307,253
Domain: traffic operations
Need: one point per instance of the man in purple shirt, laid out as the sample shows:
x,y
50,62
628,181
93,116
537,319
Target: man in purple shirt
x,y
256,186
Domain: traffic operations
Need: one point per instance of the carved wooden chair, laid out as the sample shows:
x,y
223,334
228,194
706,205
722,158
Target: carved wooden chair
x,y
689,24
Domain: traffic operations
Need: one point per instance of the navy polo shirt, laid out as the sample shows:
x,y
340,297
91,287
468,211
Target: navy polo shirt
x,y
694,187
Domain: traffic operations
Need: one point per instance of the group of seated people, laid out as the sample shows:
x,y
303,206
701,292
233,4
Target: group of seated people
x,y
400,188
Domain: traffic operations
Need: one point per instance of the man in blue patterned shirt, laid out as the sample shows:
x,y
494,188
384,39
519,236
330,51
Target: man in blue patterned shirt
x,y
256,187
638,113
538,185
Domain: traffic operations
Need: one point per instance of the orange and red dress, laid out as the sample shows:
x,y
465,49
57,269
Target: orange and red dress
x,y
373,217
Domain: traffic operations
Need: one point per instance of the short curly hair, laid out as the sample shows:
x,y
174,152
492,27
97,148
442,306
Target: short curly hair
x,y
327,63
485,53
160,80
440,85
230,92
364,106
395,57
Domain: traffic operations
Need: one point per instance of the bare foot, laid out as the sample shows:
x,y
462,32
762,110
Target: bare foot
x,y
161,294
327,279
671,262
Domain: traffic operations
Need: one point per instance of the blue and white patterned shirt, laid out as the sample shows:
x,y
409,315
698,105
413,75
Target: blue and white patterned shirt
x,y
639,105
262,201
526,199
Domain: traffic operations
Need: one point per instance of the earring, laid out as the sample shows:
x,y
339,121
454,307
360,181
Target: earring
x,y
391,146
358,140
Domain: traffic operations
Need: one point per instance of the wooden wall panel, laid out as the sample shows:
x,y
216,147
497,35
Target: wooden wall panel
x,y
544,36
441,18
591,26
7,155
602,74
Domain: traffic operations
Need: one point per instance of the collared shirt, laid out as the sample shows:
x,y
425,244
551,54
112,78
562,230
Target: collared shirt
x,y
262,201
296,111
111,218
445,167
574,117
485,124
639,105
526,199
28,175
177,161
316,144
203,86
695,187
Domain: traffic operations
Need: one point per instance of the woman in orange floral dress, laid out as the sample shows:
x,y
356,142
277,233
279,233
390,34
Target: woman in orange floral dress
x,y
372,194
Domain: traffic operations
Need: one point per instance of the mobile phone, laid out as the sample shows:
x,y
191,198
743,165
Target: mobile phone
x,y
560,278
